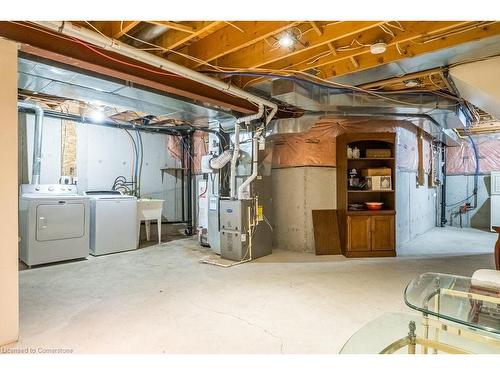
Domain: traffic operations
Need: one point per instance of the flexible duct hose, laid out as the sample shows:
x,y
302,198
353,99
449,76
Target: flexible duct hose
x,y
220,161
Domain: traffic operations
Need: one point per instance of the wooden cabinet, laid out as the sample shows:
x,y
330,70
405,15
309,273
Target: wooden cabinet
x,y
359,233
370,233
366,233
382,233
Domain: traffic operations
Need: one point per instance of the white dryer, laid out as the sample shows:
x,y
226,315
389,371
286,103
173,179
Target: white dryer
x,y
113,222
53,224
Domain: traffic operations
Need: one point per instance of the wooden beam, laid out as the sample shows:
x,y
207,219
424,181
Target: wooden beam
x,y
412,31
395,80
118,29
234,37
316,28
173,25
175,38
367,60
260,54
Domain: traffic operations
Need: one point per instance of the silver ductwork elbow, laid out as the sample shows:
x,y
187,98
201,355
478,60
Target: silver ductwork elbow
x,y
37,147
221,160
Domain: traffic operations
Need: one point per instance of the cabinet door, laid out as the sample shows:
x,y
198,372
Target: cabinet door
x,y
382,232
358,229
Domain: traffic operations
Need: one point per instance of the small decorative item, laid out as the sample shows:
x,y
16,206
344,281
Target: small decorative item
x,y
349,152
356,153
353,178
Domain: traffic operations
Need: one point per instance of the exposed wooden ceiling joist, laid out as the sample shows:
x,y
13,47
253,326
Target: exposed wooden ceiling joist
x,y
175,38
233,37
261,54
173,25
405,49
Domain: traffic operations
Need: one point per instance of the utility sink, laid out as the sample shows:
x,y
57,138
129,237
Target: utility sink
x,y
147,210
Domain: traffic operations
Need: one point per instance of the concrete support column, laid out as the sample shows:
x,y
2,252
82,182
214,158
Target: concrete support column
x,y
9,284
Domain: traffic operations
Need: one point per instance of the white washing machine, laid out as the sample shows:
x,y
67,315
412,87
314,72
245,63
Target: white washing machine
x,y
113,222
53,224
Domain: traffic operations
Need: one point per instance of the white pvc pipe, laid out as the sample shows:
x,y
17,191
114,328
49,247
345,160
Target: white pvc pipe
x,y
38,133
255,165
236,151
89,36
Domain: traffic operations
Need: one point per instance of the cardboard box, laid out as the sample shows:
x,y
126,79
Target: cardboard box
x,y
378,153
379,183
376,172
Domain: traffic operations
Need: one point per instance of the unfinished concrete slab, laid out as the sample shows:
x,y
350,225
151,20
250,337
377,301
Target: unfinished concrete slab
x,y
161,299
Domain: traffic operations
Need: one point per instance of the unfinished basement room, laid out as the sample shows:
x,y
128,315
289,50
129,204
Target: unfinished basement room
x,y
250,186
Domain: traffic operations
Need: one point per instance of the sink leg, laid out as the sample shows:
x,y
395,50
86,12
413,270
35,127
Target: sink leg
x,y
159,229
148,229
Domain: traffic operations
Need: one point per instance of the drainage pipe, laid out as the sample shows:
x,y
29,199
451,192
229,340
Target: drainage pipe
x,y
37,147
236,151
92,37
255,165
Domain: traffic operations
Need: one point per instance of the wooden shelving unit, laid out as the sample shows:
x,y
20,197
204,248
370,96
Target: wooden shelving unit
x,y
366,233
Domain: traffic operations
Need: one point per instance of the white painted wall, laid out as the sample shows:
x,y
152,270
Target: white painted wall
x,y
105,153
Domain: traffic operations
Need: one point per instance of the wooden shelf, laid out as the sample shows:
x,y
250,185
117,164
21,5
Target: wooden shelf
x,y
366,233
370,159
370,191
370,212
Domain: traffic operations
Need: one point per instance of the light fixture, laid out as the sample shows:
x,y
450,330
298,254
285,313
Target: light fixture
x,y
411,83
286,40
97,115
378,48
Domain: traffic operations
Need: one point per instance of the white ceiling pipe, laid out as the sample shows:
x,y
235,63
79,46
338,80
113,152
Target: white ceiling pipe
x,y
236,151
92,37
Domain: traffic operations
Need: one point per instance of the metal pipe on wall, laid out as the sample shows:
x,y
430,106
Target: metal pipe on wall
x,y
37,147
255,164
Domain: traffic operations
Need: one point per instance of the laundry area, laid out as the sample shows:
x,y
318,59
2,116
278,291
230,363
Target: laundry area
x,y
250,187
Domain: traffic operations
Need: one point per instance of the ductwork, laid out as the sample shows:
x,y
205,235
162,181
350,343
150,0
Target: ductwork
x,y
88,36
37,147
221,160
434,114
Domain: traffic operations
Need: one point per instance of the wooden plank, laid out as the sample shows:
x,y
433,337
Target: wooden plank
x,y
234,37
173,25
326,232
261,54
175,38
339,65
118,29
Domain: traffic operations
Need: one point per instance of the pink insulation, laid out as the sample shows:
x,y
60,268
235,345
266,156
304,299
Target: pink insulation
x,y
461,159
316,147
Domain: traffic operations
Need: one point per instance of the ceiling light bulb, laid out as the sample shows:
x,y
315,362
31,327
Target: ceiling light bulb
x,y
97,115
378,48
286,41
411,83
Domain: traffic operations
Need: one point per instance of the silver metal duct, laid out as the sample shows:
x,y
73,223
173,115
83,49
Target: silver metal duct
x,y
37,147
148,34
430,112
46,79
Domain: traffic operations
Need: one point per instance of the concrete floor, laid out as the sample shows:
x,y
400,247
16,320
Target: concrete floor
x,y
161,299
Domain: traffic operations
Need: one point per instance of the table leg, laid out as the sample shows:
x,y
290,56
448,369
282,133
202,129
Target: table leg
x,y
425,328
138,232
412,345
148,229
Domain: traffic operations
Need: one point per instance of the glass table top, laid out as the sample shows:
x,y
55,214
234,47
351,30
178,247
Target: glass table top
x,y
379,333
454,298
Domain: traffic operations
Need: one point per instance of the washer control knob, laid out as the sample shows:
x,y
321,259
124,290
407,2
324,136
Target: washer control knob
x,y
51,188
